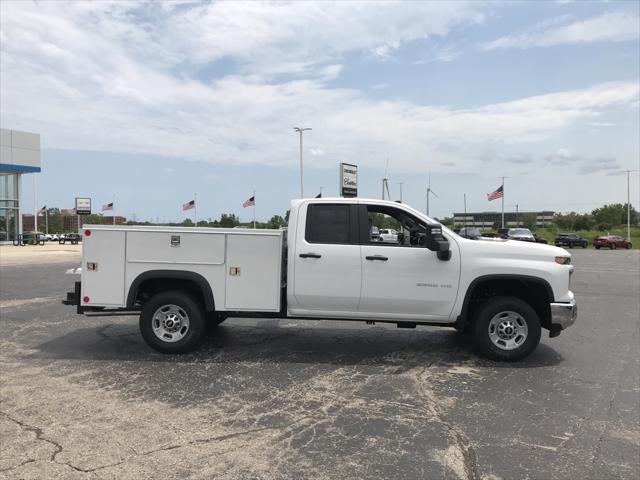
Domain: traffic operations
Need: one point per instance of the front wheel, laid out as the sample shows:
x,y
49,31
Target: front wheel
x,y
506,329
597,247
628,246
172,322
613,246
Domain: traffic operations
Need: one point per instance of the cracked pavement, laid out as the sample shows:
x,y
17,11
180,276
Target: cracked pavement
x,y
86,398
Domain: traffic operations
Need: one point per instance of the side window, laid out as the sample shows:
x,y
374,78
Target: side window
x,y
392,226
327,224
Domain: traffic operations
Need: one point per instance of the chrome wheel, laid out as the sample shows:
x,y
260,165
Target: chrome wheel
x,y
508,330
170,323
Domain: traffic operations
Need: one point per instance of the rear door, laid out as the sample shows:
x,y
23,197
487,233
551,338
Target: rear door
x,y
327,265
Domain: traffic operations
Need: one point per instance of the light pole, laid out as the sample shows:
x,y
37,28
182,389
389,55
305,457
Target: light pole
x,y
300,130
400,183
629,208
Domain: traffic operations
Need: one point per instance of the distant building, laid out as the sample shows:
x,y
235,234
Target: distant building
x,y
489,219
19,154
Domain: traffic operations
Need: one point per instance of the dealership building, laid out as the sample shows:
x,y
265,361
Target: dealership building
x,y
19,155
489,219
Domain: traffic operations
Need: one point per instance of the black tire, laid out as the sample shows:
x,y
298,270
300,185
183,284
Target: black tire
x,y
597,247
613,246
187,306
628,246
584,245
494,307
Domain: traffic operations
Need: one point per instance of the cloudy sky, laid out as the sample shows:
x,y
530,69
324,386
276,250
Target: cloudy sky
x,y
153,101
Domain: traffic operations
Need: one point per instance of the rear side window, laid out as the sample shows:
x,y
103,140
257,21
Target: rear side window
x,y
328,224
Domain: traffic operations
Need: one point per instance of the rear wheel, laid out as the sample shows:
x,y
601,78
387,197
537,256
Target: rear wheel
x,y
628,246
612,246
506,329
584,244
172,322
597,247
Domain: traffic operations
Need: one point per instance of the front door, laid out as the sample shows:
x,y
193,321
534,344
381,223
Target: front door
x,y
327,269
401,278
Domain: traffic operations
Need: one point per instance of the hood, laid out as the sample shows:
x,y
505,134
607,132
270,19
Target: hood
x,y
512,249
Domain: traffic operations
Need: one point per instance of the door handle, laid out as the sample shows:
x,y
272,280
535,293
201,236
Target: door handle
x,y
377,257
309,255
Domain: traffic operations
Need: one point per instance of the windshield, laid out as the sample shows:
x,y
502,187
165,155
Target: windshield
x,y
520,231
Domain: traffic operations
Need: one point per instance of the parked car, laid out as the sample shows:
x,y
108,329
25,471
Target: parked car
x,y
570,240
388,235
521,234
470,232
72,238
611,241
539,239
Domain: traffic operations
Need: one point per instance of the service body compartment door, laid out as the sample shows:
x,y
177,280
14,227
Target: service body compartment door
x,y
103,268
253,272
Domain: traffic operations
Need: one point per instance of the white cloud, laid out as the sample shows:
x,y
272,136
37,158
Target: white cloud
x,y
608,27
102,79
445,54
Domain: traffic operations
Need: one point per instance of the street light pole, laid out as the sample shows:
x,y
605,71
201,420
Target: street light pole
x,y
300,130
629,207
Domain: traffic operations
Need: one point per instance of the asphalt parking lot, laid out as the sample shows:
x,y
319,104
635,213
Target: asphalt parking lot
x,y
86,398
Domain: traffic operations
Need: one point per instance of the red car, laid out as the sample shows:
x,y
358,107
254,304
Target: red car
x,y
611,241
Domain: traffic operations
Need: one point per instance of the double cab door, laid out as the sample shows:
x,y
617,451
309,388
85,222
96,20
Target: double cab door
x,y
342,267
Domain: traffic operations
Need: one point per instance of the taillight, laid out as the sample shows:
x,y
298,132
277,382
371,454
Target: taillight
x,y
563,260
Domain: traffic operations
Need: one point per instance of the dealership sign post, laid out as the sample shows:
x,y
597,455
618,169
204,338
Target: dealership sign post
x,y
83,207
348,180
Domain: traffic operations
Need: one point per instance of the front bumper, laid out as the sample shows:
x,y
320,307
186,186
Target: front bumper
x,y
563,315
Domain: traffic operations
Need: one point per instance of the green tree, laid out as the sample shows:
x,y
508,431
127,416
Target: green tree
x,y
615,214
187,222
276,222
529,220
228,220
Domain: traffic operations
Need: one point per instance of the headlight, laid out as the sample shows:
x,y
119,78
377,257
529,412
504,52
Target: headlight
x,y
563,260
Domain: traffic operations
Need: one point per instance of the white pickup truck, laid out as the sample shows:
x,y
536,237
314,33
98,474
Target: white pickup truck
x,y
327,266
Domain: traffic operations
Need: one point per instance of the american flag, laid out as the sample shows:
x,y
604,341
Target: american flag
x,y
107,206
249,202
499,193
42,210
189,205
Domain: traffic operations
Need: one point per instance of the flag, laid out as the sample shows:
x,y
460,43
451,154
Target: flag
x,y
189,205
499,193
319,195
42,210
107,206
248,203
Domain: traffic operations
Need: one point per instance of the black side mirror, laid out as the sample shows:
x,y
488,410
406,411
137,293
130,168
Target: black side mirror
x,y
436,242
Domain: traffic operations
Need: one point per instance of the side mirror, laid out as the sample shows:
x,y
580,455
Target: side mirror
x,y
436,242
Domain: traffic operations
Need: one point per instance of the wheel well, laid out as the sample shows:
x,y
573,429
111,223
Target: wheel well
x,y
150,283
535,292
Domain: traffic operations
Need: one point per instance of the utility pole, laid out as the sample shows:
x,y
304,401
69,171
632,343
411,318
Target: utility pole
x,y
300,131
195,210
464,222
517,217
629,207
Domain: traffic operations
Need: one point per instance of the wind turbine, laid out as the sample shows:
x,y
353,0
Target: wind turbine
x,y
385,182
430,192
